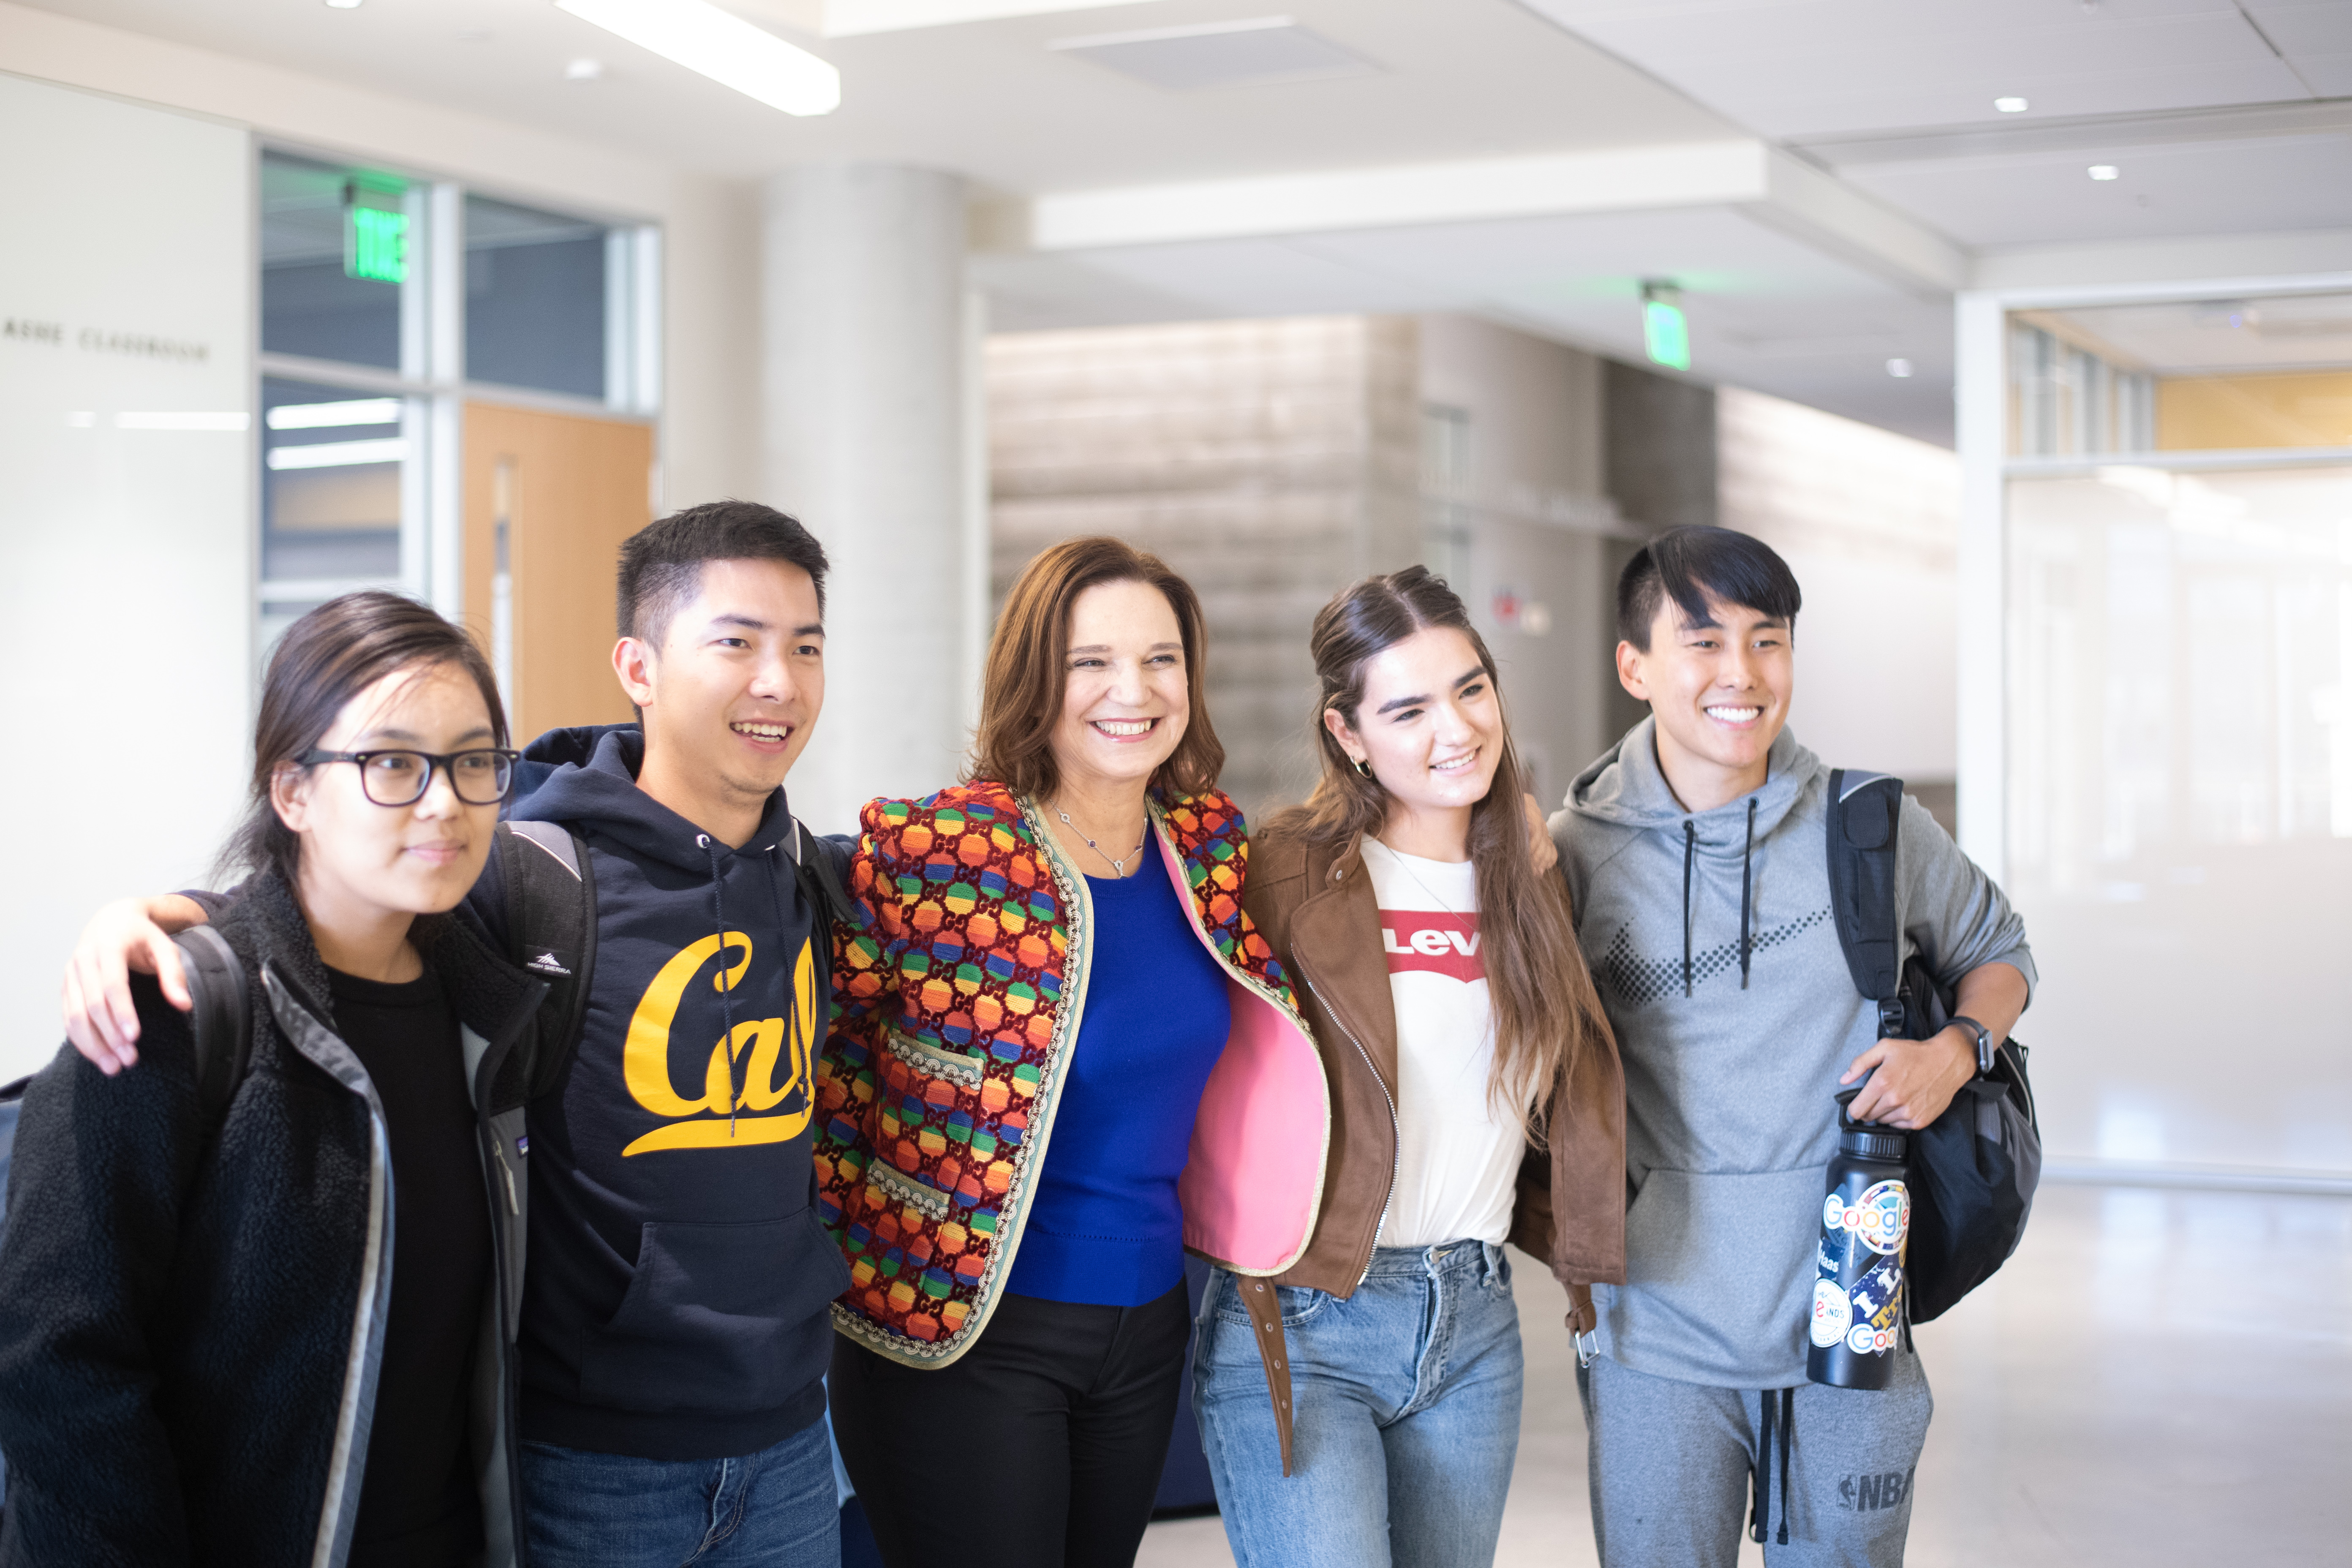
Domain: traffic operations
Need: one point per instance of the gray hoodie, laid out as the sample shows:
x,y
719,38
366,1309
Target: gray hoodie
x,y
1711,940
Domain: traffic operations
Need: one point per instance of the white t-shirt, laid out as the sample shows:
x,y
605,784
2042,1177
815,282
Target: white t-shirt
x,y
1457,1166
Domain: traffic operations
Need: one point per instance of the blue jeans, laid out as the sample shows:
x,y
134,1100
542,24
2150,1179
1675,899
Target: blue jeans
x,y
1406,1415
775,1509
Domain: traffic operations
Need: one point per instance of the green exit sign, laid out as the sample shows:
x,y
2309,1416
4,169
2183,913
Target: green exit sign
x,y
375,244
1666,332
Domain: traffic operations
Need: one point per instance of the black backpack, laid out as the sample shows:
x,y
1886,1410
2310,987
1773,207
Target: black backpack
x,y
222,1022
550,885
1974,1168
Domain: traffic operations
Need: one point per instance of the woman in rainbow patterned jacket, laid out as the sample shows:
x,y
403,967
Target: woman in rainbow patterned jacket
x,y
1060,1057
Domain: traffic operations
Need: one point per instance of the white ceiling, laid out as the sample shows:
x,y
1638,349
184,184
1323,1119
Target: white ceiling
x,y
1457,79
2125,80
1797,69
2241,186
1766,310
1894,97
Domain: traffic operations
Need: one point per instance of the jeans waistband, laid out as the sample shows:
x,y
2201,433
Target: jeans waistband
x,y
1428,1262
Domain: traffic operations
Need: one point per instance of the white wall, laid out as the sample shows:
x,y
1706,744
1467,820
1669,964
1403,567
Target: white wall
x,y
127,555
1533,509
709,433
126,283
1870,523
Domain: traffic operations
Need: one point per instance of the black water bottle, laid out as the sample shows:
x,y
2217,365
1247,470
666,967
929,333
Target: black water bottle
x,y
1857,1317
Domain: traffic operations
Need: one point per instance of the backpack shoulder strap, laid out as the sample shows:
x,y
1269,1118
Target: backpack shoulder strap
x,y
1863,812
813,869
222,1020
551,897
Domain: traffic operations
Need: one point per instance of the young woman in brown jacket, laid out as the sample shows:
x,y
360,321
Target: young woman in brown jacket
x,y
1476,1097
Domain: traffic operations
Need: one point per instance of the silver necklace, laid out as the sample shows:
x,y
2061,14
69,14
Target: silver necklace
x,y
1118,867
1399,856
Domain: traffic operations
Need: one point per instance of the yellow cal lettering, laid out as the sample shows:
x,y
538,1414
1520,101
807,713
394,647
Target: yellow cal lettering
x,y
760,1089
645,1056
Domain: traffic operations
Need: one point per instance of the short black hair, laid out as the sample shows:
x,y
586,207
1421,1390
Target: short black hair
x,y
661,563
1697,564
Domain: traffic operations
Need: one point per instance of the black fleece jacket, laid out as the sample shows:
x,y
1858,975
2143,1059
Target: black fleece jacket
x,y
177,1308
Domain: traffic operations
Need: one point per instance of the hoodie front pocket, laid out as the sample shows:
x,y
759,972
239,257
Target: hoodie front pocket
x,y
724,1319
1718,1270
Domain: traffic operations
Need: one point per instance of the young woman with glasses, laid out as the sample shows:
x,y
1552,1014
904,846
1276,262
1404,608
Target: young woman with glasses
x,y
1475,1099
270,1331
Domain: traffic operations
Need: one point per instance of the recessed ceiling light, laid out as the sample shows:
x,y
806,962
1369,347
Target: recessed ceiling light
x,y
583,69
344,4
1900,369
2010,105
721,46
2105,171
1257,52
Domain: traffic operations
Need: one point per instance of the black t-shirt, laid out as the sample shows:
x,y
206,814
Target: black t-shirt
x,y
418,1507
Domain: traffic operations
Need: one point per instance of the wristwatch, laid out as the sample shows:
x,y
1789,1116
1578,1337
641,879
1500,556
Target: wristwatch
x,y
1984,1043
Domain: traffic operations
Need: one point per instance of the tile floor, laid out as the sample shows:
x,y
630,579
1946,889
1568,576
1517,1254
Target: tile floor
x,y
2159,1378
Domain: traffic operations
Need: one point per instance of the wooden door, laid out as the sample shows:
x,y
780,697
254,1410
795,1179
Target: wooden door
x,y
549,499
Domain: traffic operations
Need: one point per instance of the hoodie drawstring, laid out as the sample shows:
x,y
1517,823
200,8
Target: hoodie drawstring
x,y
726,991
1747,859
1760,1518
793,970
1747,897
1690,850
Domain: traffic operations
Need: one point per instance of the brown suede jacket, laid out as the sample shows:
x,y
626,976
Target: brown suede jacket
x,y
1316,907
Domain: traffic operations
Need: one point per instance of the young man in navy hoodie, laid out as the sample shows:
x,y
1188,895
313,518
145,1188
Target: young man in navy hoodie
x,y
675,1326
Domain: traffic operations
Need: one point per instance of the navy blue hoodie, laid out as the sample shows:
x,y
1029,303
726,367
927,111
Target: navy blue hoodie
x,y
676,1293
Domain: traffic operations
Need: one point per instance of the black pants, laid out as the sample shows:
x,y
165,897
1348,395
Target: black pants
x,y
1040,1447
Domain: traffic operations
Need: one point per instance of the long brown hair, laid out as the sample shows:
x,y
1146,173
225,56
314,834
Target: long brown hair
x,y
1028,659
1546,1013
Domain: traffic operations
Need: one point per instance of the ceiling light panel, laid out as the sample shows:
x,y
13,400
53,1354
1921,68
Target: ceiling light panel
x,y
724,47
848,18
1259,52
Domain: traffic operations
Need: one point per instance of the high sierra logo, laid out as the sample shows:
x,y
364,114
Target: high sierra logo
x,y
773,1077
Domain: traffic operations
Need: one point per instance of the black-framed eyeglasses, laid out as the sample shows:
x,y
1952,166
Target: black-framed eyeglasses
x,y
480,777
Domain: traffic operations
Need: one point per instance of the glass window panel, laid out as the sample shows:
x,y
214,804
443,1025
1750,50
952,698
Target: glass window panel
x,y
2180,808
535,298
2183,376
331,490
328,278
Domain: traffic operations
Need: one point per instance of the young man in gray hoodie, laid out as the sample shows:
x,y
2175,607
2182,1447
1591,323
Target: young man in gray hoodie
x,y
1697,861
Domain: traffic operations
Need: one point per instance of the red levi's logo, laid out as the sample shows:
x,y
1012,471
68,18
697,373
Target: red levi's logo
x,y
1431,941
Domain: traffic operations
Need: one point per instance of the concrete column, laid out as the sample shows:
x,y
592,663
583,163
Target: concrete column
x,y
863,438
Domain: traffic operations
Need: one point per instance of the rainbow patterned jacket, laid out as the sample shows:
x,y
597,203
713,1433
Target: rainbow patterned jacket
x,y
958,994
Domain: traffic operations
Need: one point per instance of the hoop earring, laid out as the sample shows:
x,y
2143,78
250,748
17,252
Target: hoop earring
x,y
1364,766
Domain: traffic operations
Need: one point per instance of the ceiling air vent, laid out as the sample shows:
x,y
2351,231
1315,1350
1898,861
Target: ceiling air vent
x,y
1255,53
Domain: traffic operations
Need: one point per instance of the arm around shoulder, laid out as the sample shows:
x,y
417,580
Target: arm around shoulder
x,y
126,937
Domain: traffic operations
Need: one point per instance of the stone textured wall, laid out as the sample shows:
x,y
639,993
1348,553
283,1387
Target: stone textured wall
x,y
1271,462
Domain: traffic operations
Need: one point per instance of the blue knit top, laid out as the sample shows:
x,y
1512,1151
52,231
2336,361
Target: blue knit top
x,y
1105,1227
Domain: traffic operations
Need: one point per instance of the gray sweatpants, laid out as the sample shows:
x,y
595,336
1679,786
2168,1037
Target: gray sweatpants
x,y
1671,1465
